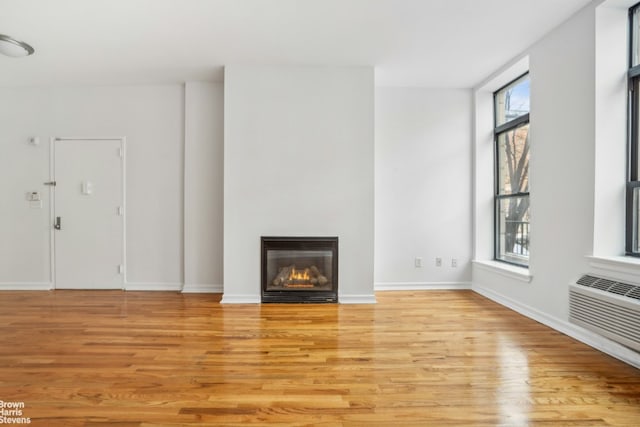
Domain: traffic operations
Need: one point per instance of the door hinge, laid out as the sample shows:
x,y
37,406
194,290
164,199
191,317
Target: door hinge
x,y
121,152
120,269
51,183
120,211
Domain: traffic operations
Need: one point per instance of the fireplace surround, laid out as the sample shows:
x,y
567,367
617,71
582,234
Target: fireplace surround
x,y
299,269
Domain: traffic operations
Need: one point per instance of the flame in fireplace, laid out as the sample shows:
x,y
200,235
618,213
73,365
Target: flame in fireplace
x,y
299,275
299,279
292,277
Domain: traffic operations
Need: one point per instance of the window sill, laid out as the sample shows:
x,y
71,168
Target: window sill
x,y
616,264
511,271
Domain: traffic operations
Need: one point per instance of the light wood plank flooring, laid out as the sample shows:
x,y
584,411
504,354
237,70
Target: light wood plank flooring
x,y
438,358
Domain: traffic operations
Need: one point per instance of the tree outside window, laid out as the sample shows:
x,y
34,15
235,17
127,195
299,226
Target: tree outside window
x,y
511,132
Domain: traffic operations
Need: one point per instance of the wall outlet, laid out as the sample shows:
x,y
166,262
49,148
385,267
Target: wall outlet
x,y
454,263
438,262
417,262
33,196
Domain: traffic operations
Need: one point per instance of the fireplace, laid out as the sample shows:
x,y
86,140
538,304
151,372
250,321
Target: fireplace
x,y
299,269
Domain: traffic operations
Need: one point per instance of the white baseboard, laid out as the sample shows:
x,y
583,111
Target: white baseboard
x,y
420,286
585,336
202,288
240,299
26,286
357,299
255,299
83,287
152,286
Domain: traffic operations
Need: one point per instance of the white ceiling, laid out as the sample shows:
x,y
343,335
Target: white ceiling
x,y
431,43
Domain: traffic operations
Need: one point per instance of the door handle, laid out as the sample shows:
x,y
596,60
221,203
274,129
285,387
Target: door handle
x,y
58,224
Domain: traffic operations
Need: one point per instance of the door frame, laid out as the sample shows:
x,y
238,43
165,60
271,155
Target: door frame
x,y
52,198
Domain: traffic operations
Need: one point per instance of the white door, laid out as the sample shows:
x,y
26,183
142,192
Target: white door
x,y
88,213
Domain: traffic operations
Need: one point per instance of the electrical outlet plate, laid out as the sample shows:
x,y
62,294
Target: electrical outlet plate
x,y
33,196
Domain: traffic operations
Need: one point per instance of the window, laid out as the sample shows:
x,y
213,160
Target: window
x,y
632,245
511,133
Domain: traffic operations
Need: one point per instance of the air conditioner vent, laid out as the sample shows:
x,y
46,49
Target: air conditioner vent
x,y
621,288
587,280
603,284
611,286
634,293
608,307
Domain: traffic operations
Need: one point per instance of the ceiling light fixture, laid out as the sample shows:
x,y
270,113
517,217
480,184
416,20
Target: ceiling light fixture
x,y
14,48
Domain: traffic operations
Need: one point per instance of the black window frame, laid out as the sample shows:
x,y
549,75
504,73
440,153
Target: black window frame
x,y
498,130
633,110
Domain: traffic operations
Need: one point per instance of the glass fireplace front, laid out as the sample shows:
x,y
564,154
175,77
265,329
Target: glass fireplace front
x,y
299,269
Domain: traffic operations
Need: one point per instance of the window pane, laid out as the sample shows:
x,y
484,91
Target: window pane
x,y
512,101
512,230
513,161
635,37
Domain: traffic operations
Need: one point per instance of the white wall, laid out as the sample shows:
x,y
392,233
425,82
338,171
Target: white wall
x,y
561,169
422,187
24,232
611,128
562,159
299,156
151,117
203,187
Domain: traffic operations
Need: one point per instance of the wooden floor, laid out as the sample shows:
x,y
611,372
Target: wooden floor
x,y
450,358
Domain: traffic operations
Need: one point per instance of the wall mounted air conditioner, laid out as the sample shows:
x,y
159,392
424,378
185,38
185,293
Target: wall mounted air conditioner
x,y
607,307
